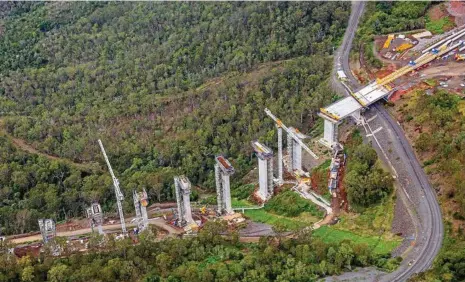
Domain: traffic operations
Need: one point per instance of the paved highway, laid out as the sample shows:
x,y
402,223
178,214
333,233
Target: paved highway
x,y
415,188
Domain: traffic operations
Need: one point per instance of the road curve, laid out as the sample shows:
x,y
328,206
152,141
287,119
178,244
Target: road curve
x,y
411,177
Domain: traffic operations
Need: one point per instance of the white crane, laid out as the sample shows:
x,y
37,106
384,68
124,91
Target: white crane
x,y
291,134
119,194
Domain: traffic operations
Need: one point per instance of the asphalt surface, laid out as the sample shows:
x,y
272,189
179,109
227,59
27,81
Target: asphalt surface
x,y
415,188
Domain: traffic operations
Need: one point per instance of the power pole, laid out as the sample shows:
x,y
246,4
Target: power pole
x,y
118,193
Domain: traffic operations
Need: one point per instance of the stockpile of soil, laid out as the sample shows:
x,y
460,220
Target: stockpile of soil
x,y
457,9
436,13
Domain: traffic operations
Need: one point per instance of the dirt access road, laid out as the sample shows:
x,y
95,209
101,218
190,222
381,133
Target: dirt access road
x,y
159,222
23,146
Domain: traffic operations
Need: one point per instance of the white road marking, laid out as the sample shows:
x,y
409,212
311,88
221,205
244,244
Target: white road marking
x,y
372,118
375,131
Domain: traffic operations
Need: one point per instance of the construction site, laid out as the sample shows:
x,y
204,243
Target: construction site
x,y
186,217
412,59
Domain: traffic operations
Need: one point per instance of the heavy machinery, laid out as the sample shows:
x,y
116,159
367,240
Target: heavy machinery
x,y
459,57
118,193
404,47
388,41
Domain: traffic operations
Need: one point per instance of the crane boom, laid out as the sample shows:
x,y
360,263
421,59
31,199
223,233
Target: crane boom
x,y
288,131
118,193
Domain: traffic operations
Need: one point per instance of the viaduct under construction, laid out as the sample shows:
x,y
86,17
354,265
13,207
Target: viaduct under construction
x,y
352,106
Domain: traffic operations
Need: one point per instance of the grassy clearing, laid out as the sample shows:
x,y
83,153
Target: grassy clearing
x,y
372,226
291,224
374,221
289,203
378,244
307,215
439,26
240,203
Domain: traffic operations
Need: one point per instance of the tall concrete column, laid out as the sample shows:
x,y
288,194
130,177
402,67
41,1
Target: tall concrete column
x,y
290,153
265,170
330,133
183,192
280,155
227,194
223,169
297,156
219,189
263,178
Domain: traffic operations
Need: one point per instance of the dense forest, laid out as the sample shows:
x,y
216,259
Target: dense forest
x,y
207,257
166,86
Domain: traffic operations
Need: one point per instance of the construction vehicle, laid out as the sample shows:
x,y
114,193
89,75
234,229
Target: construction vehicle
x,y
459,57
388,41
404,46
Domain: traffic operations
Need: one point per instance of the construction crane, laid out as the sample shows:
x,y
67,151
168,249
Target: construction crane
x,y
290,132
119,194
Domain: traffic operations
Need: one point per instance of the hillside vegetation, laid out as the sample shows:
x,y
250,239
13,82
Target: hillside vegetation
x,y
206,257
366,182
435,126
166,86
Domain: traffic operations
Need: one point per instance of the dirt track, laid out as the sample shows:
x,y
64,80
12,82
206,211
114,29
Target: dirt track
x,y
451,69
159,222
23,146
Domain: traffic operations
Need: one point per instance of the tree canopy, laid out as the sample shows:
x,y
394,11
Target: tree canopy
x,y
365,181
166,86
207,257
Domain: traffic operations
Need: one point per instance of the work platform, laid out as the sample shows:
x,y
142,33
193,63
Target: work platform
x,y
335,113
353,104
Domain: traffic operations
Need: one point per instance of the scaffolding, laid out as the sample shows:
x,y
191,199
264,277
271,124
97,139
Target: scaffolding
x,y
94,213
47,229
280,154
140,205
